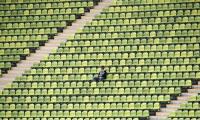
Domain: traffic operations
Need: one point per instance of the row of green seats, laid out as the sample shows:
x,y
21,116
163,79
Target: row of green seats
x,y
77,113
137,34
164,64
186,114
82,61
19,45
115,68
143,2
72,75
50,18
121,68
128,76
145,20
92,29
47,4
190,105
63,118
127,54
14,51
50,82
124,47
152,42
137,14
35,1
100,91
32,24
118,77
146,27
23,38
29,31
77,60
5,64
81,106
146,7
141,76
42,12
85,99
131,34
9,58
54,61
157,44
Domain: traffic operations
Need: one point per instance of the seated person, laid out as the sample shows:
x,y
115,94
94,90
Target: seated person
x,y
102,75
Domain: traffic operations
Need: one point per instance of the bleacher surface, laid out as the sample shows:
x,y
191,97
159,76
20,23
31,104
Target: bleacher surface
x,y
150,49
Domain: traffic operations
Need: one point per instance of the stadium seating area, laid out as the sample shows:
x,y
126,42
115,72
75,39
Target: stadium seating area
x,y
188,111
150,49
28,24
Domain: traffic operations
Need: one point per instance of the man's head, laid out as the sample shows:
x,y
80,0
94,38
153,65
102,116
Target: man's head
x,y
102,67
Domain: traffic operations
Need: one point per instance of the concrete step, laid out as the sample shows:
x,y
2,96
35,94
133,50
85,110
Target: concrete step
x,y
176,102
196,86
182,98
162,113
31,59
188,94
157,118
69,32
51,46
59,38
5,79
173,106
169,109
194,90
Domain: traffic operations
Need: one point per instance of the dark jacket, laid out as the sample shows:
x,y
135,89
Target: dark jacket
x,y
104,74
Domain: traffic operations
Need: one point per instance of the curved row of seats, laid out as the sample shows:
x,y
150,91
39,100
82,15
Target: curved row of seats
x,y
51,83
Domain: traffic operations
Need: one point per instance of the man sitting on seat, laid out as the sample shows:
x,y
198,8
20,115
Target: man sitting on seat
x,y
102,75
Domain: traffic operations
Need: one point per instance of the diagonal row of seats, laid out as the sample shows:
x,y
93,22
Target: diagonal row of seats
x,y
26,25
150,49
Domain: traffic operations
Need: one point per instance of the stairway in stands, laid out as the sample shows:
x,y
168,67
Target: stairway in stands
x,y
188,110
179,108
